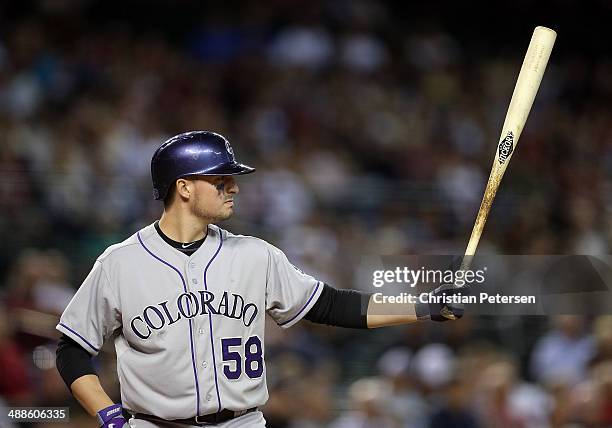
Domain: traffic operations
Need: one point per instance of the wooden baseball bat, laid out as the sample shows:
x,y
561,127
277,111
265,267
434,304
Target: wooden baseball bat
x,y
525,90
527,85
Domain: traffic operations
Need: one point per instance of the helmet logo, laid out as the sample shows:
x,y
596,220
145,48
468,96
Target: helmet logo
x,y
229,149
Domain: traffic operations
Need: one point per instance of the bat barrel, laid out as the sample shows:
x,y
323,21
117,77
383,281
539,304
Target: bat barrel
x,y
525,90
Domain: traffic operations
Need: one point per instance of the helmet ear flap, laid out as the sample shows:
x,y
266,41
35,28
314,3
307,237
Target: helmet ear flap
x,y
169,197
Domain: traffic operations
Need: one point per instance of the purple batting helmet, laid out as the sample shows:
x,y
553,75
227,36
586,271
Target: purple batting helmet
x,y
193,153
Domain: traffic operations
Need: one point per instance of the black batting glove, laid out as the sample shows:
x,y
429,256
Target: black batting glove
x,y
441,308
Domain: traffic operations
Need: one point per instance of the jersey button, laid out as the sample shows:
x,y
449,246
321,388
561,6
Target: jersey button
x,y
192,265
208,397
195,281
201,331
204,364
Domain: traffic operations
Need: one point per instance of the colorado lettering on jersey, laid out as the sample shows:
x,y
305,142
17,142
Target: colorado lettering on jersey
x,y
189,305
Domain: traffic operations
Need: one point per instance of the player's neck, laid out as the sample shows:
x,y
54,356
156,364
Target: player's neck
x,y
182,227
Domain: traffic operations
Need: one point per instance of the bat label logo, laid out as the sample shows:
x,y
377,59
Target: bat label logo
x,y
505,147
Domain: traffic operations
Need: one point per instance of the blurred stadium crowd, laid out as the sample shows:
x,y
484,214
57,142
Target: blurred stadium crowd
x,y
369,137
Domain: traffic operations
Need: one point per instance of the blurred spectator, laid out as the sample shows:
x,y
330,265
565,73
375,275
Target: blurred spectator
x,y
369,398
363,53
454,411
562,355
590,402
406,402
504,400
302,46
602,332
38,294
14,378
434,365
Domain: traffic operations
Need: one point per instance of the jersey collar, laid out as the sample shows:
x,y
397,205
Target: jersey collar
x,y
160,247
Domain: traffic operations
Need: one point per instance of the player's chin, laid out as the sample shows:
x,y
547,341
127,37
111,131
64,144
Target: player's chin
x,y
227,212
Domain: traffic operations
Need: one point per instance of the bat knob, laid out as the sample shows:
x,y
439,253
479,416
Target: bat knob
x,y
447,313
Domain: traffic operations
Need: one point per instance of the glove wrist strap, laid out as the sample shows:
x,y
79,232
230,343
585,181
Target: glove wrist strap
x,y
108,413
422,311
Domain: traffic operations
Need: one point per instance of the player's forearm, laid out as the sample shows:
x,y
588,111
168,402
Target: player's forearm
x,y
88,391
354,309
439,307
388,314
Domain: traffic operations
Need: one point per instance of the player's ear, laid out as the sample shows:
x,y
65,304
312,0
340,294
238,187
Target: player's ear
x,y
184,188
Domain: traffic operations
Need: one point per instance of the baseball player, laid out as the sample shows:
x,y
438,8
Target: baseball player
x,y
184,302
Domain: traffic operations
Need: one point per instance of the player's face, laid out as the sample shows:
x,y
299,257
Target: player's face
x,y
214,197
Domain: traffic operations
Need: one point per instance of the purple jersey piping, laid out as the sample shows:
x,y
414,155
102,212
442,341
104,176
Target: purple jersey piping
x,y
195,373
82,338
212,342
304,307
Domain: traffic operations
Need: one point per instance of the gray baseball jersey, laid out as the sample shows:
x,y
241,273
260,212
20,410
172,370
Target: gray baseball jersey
x,y
188,330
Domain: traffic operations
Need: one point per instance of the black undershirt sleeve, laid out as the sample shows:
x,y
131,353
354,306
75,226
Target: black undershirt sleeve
x,y
342,308
72,360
